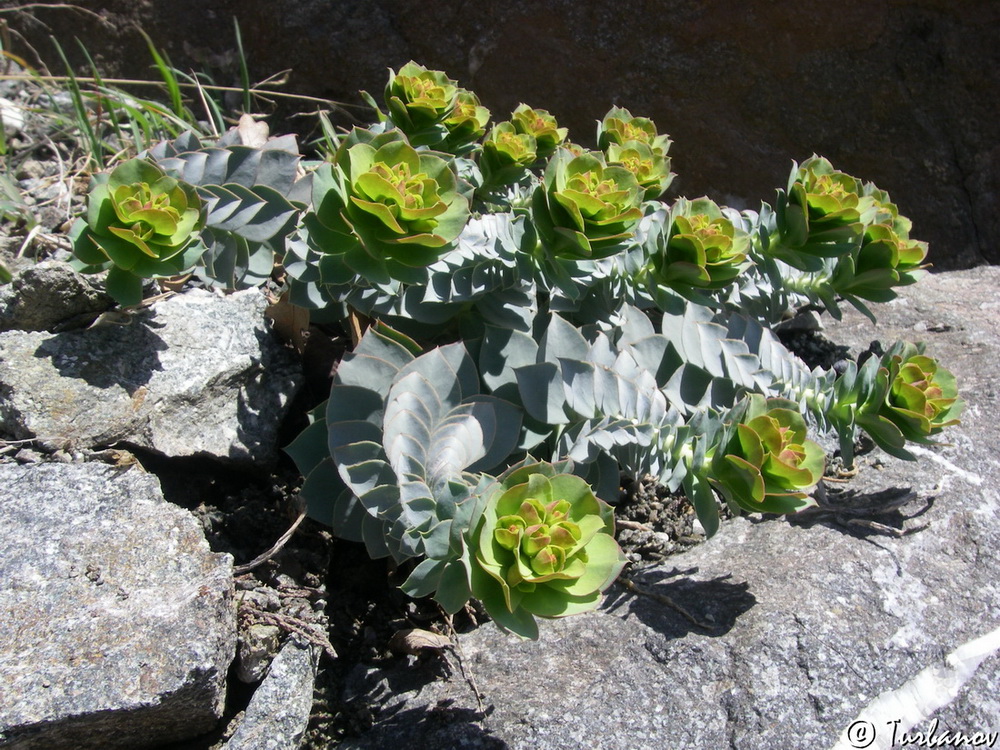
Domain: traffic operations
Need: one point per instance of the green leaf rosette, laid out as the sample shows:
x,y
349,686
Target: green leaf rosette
x,y
418,98
546,548
765,463
140,223
507,155
383,211
541,126
632,142
699,246
620,127
822,214
585,209
466,124
912,398
886,258
651,168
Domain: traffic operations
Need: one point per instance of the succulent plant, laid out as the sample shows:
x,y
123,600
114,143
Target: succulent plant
x,y
250,195
923,397
886,258
621,128
383,211
140,223
698,246
528,268
651,168
486,277
466,124
541,126
507,155
904,395
584,208
765,463
632,142
419,98
393,457
544,547
822,214
641,401
860,249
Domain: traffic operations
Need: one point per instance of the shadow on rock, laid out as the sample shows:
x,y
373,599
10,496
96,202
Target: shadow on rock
x,y
891,512
262,402
438,726
382,718
105,356
675,603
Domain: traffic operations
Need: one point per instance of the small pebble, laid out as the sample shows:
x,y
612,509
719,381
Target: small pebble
x,y
12,116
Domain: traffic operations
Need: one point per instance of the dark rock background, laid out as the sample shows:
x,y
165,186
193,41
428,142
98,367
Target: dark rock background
x,y
900,92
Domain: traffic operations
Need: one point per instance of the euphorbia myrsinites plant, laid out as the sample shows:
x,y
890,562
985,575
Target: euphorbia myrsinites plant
x,y
543,319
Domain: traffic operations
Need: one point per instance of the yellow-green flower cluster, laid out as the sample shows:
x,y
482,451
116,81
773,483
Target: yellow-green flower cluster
x,y
139,223
546,548
766,464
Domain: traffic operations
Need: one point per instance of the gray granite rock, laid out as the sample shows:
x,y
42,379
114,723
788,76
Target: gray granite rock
x,y
278,714
775,633
258,644
197,373
118,623
44,295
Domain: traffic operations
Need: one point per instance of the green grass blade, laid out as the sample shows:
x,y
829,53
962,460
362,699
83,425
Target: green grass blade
x,y
98,83
244,71
83,121
329,140
168,76
213,112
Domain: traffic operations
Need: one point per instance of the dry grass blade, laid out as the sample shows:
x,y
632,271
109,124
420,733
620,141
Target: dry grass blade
x,y
54,79
57,6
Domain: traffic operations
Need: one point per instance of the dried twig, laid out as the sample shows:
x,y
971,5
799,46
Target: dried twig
x,y
327,103
881,527
853,515
264,557
460,657
56,6
291,625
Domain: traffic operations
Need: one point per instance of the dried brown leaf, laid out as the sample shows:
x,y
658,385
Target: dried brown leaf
x,y
291,322
252,133
414,641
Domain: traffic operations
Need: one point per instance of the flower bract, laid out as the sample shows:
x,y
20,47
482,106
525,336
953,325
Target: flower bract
x,y
418,97
584,208
142,223
541,126
912,394
384,209
620,127
699,247
546,548
766,464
